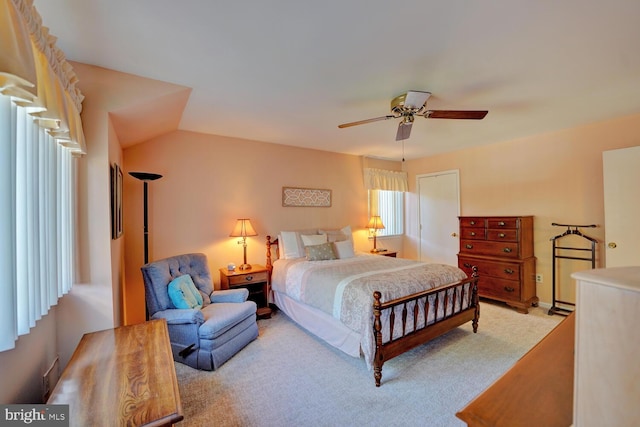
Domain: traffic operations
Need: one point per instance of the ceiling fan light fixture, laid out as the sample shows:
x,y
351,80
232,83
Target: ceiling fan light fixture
x,y
415,100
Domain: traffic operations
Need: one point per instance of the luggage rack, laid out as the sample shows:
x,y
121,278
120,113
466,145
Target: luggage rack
x,y
572,229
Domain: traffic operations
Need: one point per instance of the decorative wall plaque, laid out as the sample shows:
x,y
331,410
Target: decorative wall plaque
x,y
315,197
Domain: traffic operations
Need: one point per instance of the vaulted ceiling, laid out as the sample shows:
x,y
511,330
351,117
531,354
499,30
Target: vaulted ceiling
x,y
288,72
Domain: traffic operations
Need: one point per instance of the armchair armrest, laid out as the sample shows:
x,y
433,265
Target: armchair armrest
x,y
230,295
180,316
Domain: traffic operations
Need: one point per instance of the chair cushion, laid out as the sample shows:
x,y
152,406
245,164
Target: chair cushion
x,y
183,292
222,316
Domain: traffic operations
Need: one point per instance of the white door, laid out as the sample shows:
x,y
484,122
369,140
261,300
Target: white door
x,y
622,206
439,208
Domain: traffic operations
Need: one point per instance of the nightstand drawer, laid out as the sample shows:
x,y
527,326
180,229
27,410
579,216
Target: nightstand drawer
x,y
248,278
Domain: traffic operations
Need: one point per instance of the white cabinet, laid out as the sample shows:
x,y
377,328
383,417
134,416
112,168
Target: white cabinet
x,y
607,352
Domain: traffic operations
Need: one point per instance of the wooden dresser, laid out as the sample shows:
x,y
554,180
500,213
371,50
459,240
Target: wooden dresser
x,y
502,249
121,377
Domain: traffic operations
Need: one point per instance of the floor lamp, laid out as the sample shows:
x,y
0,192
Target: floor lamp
x,y
145,178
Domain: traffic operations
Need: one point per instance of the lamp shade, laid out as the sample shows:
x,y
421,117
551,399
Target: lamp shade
x,y
375,223
243,228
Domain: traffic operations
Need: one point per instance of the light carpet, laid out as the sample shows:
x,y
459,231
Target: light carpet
x,y
288,377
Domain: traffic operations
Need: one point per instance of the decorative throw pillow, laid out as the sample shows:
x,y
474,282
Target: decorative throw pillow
x,y
344,249
183,293
334,235
321,252
313,239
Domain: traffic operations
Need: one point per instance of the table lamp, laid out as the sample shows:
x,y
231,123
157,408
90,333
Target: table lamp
x,y
375,224
243,229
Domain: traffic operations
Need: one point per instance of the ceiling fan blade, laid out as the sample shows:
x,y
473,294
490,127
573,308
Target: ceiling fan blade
x,y
404,130
362,122
455,114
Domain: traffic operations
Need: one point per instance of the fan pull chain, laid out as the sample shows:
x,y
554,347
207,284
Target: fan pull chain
x,y
403,151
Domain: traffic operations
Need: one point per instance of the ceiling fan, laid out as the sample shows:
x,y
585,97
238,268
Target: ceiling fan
x,y
414,103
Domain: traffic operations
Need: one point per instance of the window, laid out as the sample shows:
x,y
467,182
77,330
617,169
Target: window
x,y
390,206
37,221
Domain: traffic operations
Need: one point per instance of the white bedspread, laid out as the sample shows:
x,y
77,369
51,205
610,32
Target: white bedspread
x,y
344,288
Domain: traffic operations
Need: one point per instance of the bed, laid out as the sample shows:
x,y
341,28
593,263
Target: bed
x,y
366,305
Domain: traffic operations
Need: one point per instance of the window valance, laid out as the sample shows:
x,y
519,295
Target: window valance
x,y
380,179
35,72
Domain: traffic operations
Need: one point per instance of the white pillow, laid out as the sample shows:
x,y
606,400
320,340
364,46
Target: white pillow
x,y
313,239
344,249
289,245
335,235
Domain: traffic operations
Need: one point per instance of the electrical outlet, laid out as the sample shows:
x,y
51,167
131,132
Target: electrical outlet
x,y
539,278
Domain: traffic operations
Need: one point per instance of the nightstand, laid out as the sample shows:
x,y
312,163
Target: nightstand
x,y
392,254
256,280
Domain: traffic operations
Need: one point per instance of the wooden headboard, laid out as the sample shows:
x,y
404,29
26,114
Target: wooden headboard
x,y
269,244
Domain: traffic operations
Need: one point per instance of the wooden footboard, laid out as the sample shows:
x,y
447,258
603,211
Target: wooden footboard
x,y
449,305
458,303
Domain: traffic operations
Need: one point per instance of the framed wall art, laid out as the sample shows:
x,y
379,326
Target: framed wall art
x,y
116,201
306,197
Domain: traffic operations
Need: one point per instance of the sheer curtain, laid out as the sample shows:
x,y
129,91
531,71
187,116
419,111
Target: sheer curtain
x,y
40,139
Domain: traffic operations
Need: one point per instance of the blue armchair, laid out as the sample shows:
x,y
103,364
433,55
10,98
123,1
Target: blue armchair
x,y
203,338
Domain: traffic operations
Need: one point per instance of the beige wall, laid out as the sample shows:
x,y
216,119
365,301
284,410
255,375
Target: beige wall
x,y
556,177
210,181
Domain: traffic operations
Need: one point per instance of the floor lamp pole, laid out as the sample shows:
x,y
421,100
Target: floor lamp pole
x,y
146,222
145,178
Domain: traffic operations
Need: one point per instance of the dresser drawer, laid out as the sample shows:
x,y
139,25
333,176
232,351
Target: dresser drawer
x,y
472,233
246,279
502,249
502,222
503,270
499,288
469,221
502,235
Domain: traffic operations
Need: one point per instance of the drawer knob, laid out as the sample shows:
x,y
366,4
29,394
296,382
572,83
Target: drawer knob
x,y
472,222
473,233
509,289
508,271
501,224
248,278
468,246
502,235
467,265
507,250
